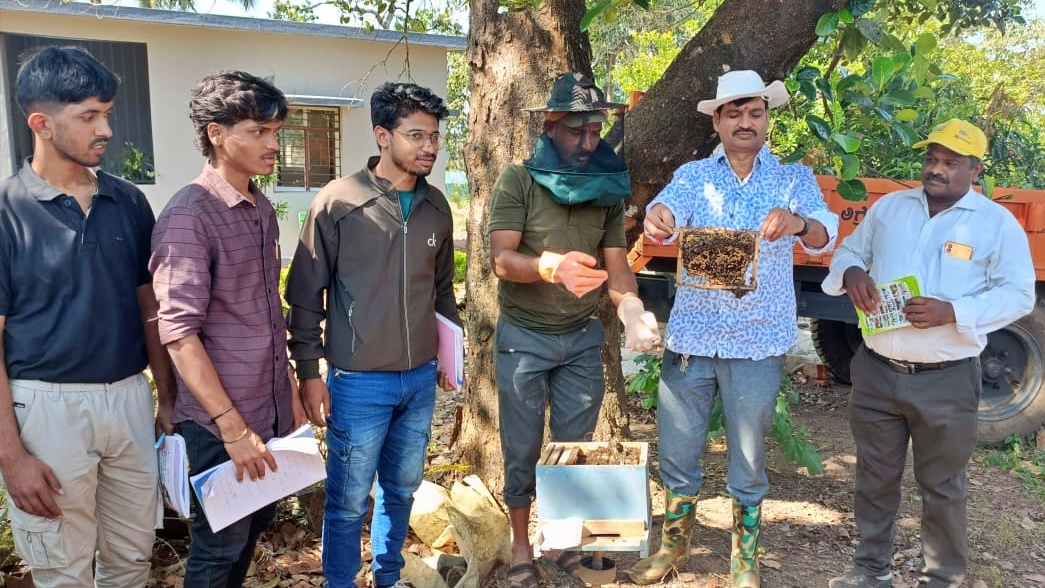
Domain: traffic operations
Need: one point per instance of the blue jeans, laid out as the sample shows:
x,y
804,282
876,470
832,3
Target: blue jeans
x,y
379,423
684,402
533,370
218,560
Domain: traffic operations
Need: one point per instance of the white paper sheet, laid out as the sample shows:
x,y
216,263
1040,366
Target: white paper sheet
x,y
225,501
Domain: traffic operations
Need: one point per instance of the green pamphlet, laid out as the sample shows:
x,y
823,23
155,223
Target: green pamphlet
x,y
894,296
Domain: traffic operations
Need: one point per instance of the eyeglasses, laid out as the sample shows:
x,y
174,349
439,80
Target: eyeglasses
x,y
420,138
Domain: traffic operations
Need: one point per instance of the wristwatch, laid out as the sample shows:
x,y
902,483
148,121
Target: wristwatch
x,y
805,226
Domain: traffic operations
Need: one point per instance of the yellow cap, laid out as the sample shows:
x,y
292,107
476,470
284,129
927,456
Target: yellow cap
x,y
959,136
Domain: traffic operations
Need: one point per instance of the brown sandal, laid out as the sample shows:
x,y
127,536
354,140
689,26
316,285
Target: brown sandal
x,y
522,575
568,561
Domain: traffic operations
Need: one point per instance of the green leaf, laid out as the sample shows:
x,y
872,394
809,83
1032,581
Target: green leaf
x,y
819,126
925,44
924,93
897,98
860,7
811,460
920,68
881,70
987,182
807,74
808,90
825,88
795,156
907,115
846,141
853,43
870,29
901,61
827,24
847,82
643,4
850,167
893,43
845,17
884,114
594,12
905,132
852,190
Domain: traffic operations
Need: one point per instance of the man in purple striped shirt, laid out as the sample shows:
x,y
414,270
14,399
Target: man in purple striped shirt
x,y
215,265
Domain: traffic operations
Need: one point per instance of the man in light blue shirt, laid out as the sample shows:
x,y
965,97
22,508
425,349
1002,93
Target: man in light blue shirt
x,y
726,342
921,383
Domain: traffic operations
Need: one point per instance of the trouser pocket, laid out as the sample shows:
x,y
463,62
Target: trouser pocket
x,y
38,540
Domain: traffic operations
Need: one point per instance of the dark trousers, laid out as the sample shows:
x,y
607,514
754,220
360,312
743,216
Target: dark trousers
x,y
218,560
936,412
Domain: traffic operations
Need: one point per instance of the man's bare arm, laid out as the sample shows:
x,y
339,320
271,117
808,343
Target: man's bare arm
x,y
30,482
244,447
159,360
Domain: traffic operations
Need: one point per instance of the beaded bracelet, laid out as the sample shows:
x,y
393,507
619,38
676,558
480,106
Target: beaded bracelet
x,y
237,439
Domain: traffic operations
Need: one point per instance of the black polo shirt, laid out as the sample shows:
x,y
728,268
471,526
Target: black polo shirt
x,y
68,281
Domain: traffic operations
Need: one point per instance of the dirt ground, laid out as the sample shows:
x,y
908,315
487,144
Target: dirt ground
x,y
808,532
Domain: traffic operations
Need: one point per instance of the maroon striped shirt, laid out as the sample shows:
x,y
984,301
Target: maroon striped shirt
x,y
215,265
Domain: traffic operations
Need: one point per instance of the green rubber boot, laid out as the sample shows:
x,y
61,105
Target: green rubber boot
x,y
744,556
679,515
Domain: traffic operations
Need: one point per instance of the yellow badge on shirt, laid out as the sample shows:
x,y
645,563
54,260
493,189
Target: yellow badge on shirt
x,y
958,250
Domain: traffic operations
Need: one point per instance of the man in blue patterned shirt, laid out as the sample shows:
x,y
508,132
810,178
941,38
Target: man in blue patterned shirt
x,y
719,341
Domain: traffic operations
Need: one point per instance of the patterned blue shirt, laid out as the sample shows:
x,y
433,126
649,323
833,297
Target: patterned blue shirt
x,y
707,193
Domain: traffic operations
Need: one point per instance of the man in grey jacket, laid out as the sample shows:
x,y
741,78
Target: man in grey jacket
x,y
375,252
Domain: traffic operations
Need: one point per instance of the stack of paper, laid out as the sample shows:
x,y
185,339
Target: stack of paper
x,y
451,350
174,473
225,501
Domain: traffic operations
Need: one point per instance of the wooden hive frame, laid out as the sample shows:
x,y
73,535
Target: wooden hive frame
x,y
706,284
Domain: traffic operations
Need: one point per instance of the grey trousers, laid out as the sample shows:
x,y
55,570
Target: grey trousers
x,y
536,369
936,412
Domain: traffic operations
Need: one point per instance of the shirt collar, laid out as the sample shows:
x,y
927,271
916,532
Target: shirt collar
x,y
216,185
41,190
972,200
763,157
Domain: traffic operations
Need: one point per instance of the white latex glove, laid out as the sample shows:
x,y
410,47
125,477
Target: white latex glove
x,y
640,326
575,270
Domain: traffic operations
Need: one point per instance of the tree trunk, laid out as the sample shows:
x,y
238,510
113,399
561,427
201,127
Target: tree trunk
x,y
665,130
513,57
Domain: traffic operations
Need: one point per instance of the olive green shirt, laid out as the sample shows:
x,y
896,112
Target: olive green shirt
x,y
520,204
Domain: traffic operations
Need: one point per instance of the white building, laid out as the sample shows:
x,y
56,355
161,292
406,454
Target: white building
x,y
327,72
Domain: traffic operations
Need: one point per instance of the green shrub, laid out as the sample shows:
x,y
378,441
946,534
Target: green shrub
x,y
460,266
283,289
1022,459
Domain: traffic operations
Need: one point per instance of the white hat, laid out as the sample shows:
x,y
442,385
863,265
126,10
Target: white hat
x,y
744,83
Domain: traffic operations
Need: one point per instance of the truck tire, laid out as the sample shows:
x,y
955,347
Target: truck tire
x,y
1013,400
1013,364
836,343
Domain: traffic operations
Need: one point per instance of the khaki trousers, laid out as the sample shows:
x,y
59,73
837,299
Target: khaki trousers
x,y
99,440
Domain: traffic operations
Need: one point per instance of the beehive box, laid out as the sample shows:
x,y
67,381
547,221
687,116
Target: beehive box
x,y
611,499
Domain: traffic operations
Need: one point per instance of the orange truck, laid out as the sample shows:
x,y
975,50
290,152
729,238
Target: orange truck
x,y
1013,400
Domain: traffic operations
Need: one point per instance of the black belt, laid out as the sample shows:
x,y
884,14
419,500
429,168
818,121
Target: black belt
x,y
913,367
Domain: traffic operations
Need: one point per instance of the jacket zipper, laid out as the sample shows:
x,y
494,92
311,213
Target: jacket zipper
x,y
352,327
406,310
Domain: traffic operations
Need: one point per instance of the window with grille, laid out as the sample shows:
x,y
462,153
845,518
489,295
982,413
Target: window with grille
x,y
310,147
